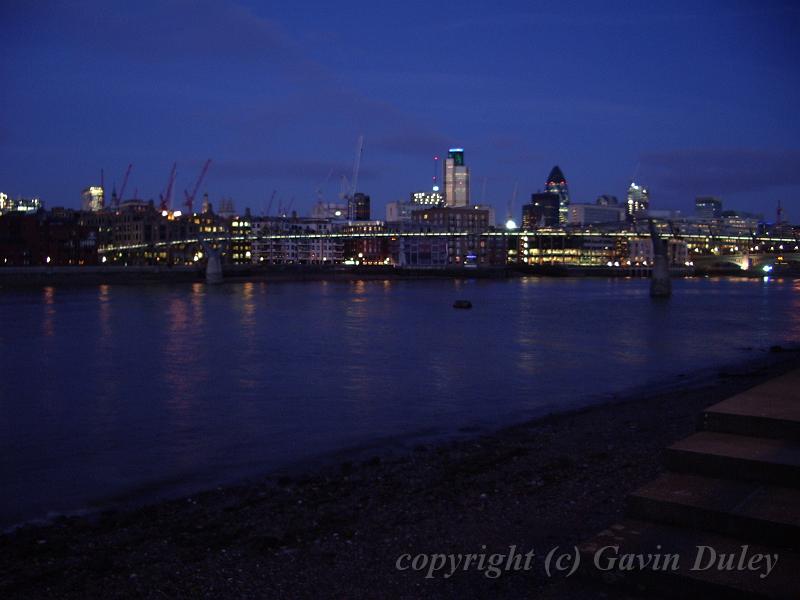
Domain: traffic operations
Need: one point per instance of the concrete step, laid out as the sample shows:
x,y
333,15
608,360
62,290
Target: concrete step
x,y
770,410
750,511
730,456
674,569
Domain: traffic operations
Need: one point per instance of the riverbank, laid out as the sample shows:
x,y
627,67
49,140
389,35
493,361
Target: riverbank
x,y
26,277
15,277
338,531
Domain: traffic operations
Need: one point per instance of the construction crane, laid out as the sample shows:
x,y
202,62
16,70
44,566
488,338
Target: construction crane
x,y
189,202
124,184
271,199
357,163
322,185
166,197
344,187
351,208
512,202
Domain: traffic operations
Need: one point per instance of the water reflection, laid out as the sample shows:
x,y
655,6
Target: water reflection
x,y
104,313
247,333
179,363
159,382
49,306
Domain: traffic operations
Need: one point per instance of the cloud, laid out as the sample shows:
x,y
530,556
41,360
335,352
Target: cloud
x,y
720,170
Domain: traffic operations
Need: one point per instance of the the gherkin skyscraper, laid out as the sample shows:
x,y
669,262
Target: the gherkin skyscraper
x,y
557,184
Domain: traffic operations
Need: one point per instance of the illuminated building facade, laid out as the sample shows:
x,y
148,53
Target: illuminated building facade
x,y
270,247
640,252
425,199
574,250
400,212
638,202
20,205
456,179
445,218
241,250
92,199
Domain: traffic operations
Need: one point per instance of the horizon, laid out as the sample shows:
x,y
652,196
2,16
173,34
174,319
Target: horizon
x,y
704,106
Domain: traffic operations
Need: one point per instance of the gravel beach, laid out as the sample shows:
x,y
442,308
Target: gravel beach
x,y
337,531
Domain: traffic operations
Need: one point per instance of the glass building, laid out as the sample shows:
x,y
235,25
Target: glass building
x,y
557,184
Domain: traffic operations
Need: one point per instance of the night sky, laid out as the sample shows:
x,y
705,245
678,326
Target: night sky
x,y
692,100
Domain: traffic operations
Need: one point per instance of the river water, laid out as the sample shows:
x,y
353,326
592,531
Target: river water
x,y
121,394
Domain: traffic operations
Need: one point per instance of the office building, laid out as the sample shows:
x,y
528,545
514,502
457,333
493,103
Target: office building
x,y
707,207
557,184
399,211
20,205
449,219
607,200
359,207
543,211
586,214
638,202
456,179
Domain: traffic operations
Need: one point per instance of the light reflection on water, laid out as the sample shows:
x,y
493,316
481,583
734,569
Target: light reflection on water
x,y
132,392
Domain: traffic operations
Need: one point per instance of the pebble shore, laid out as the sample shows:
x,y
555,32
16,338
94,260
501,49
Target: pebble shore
x,y
337,531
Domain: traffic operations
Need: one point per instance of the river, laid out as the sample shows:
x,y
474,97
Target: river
x,y
112,395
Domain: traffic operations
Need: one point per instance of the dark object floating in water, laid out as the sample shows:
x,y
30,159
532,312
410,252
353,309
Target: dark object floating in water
x,y
462,304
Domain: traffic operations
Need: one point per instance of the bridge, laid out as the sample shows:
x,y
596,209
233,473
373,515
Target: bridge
x,y
746,262
556,246
731,249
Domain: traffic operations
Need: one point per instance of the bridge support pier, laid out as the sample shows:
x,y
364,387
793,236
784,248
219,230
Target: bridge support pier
x,y
660,282
213,267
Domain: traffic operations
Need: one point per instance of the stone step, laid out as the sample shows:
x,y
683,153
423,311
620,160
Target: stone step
x,y
730,456
677,577
770,410
751,511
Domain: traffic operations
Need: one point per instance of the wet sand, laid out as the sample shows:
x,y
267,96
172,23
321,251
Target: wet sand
x,y
337,531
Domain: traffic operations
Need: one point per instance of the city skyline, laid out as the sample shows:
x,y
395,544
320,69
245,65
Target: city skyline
x,y
278,100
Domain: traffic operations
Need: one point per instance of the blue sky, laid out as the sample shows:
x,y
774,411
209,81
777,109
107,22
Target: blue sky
x,y
693,98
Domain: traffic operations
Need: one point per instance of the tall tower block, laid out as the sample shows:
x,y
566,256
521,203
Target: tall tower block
x,y
456,178
557,184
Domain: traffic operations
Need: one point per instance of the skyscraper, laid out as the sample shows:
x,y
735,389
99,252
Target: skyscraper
x,y
557,184
638,202
456,178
